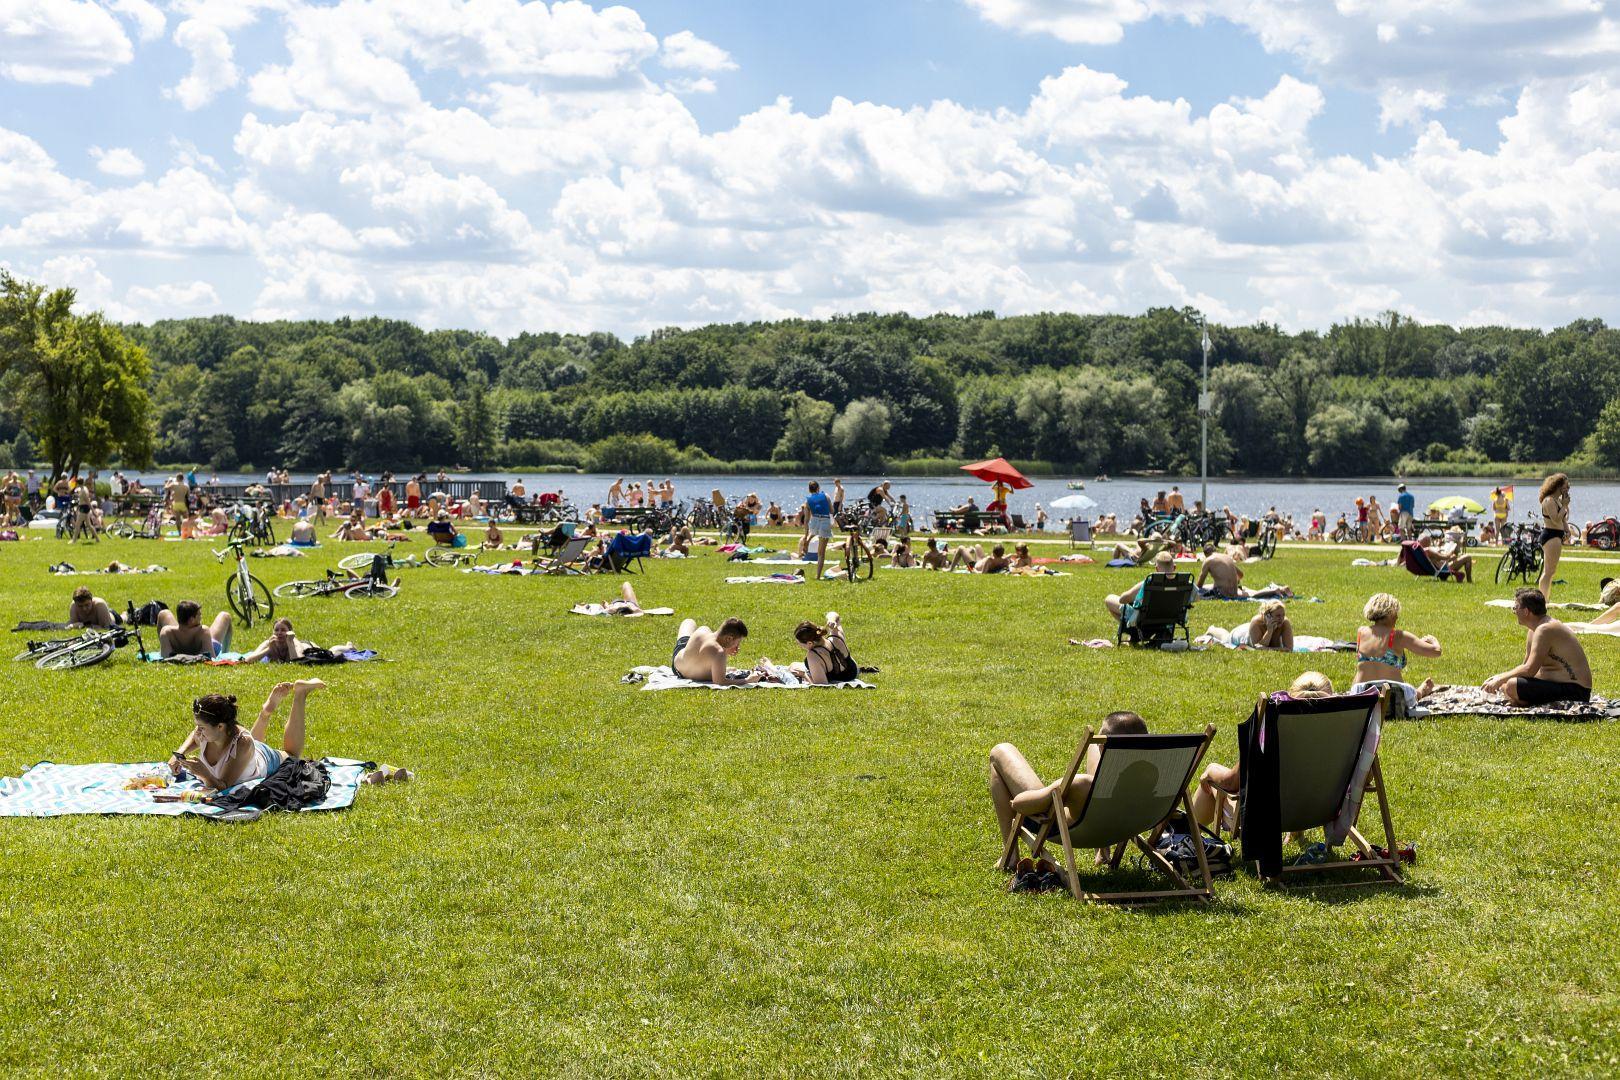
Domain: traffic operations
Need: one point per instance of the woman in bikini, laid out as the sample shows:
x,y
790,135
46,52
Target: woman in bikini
x,y
826,654
228,754
1554,527
1381,650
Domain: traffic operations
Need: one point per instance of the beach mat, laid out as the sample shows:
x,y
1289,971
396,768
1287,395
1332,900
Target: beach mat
x,y
600,609
664,678
1473,701
51,790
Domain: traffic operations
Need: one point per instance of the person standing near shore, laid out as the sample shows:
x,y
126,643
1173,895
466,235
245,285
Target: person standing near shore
x,y
819,510
1554,528
1405,506
837,497
1501,503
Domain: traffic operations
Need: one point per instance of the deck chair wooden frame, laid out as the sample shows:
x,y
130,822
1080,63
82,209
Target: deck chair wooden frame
x,y
566,561
1389,868
1080,533
1037,832
1163,605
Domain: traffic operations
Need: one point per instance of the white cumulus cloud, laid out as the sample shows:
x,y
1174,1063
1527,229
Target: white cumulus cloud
x,y
686,51
117,161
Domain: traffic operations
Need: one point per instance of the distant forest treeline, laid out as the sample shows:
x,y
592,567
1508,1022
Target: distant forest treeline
x,y
1087,392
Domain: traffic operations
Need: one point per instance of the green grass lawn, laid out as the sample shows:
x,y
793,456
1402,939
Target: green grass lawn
x,y
588,879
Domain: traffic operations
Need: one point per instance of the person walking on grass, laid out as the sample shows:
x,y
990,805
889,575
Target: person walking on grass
x,y
1554,528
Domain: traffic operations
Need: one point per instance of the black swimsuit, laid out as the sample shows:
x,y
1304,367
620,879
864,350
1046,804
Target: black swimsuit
x,y
839,664
680,643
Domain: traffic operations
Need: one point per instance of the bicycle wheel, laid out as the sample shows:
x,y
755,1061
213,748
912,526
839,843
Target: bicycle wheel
x,y
370,590
80,654
298,589
443,557
121,529
267,534
1268,544
1504,567
866,566
32,655
253,602
356,562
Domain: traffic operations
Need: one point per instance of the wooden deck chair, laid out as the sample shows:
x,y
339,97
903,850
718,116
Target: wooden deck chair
x,y
1160,610
569,560
1319,742
1140,781
1080,533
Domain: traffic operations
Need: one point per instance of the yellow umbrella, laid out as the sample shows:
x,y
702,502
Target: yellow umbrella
x,y
1456,500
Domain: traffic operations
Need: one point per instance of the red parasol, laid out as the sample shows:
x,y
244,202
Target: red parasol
x,y
998,470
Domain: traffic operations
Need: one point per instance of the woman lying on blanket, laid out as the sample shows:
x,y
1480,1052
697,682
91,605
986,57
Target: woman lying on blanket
x,y
227,754
826,654
1227,779
1381,650
1269,629
282,647
973,557
626,604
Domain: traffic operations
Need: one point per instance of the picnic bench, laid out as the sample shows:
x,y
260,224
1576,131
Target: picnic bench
x,y
965,520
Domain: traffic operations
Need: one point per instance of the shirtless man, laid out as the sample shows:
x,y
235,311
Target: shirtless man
x,y
701,653
615,495
973,557
303,534
89,610
933,558
181,632
1226,576
1555,666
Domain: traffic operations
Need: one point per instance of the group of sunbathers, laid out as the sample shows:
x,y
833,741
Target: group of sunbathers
x,y
701,654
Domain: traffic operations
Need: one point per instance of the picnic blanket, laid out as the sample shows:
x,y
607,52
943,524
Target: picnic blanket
x,y
664,678
773,579
231,659
67,570
1473,701
1208,592
1303,643
51,790
601,609
41,624
503,568
1503,602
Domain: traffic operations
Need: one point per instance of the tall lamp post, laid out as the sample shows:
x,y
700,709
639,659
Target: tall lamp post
x,y
1203,423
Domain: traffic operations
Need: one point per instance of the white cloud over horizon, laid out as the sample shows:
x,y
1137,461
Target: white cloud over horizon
x,y
504,165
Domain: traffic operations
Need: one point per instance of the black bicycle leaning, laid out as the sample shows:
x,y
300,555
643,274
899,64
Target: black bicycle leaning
x,y
253,525
1522,559
91,647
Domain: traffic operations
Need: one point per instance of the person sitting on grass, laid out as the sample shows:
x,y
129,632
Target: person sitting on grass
x,y
1015,787
88,609
493,537
1555,667
701,653
1228,779
1269,629
353,528
227,754
1164,565
283,647
181,632
903,559
1381,651
826,653
679,541
933,558
1021,557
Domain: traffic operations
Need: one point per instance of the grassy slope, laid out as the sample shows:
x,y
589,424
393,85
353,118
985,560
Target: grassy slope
x,y
590,879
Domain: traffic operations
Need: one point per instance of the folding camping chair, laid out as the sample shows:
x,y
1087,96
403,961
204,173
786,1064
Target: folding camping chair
x,y
626,548
1080,533
1416,560
1320,772
1160,610
1139,782
570,560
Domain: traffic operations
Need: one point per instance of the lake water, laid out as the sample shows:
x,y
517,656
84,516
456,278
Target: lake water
x,y
1591,500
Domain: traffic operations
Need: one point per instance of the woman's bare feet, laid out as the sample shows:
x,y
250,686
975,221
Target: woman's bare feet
x,y
277,693
306,686
1426,689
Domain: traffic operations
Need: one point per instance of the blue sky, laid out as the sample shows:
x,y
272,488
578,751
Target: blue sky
x,y
509,165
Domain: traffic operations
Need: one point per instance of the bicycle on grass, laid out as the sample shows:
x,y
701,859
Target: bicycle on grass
x,y
246,594
364,559
352,587
91,647
1522,559
860,558
440,555
252,524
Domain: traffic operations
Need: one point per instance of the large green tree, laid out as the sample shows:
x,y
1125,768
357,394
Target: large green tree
x,y
80,383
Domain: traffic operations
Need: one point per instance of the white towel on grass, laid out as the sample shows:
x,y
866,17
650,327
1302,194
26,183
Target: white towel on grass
x,y
599,609
664,678
773,579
